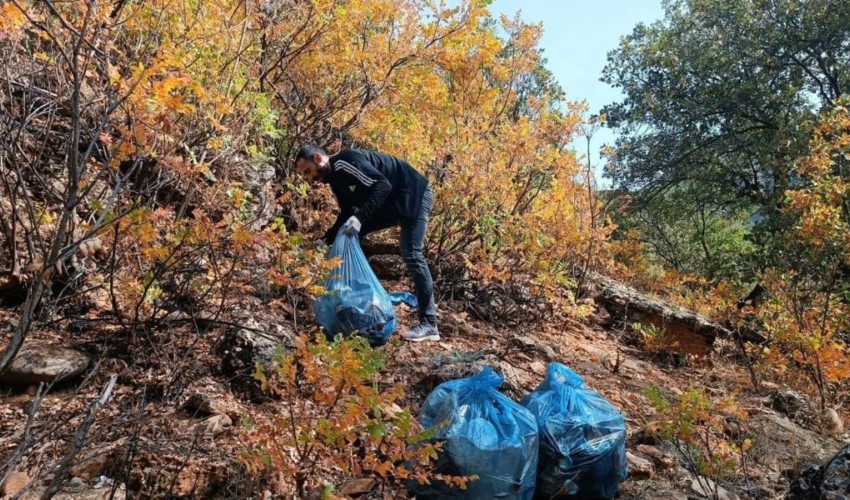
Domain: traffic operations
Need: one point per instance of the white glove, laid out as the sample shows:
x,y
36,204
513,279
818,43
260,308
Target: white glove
x,y
351,226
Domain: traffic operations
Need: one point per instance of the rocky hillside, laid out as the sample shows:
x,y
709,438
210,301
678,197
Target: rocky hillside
x,y
173,421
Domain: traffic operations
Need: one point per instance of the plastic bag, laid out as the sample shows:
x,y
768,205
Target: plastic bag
x,y
485,434
582,438
405,298
354,300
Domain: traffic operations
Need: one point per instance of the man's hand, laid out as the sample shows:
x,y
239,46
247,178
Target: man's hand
x,y
352,226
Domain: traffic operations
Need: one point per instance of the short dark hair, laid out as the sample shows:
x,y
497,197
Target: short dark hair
x,y
309,151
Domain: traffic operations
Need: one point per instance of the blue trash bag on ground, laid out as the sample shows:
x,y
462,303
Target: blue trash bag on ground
x,y
354,300
484,433
582,438
405,298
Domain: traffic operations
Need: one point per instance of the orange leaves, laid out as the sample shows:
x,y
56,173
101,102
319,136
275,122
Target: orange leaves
x,y
13,16
508,194
699,427
13,20
820,203
809,308
332,417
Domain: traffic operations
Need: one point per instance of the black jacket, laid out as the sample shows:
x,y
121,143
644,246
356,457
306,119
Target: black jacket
x,y
370,184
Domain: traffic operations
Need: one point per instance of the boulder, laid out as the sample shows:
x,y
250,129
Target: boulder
x,y
252,341
829,481
781,447
659,457
831,422
206,404
37,363
639,467
213,426
707,487
388,267
530,345
794,405
461,365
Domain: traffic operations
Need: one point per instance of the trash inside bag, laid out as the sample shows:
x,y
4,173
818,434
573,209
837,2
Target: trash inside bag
x,y
354,300
582,438
485,434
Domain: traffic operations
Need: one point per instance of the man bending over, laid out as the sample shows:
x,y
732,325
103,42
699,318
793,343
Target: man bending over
x,y
376,191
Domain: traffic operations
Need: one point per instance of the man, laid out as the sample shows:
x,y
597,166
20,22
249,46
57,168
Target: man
x,y
375,191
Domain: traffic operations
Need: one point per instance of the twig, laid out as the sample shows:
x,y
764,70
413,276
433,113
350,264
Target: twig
x,y
79,439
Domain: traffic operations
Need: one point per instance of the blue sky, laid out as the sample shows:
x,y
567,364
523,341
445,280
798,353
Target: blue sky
x,y
577,37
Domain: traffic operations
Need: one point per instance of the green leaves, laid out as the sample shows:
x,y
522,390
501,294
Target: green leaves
x,y
718,95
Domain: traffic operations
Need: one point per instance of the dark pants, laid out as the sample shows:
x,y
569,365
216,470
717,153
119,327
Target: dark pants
x,y
412,251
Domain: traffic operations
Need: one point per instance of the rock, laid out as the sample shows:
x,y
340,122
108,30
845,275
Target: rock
x,y
807,484
528,344
87,493
256,176
517,379
538,368
663,495
96,462
358,487
769,386
176,315
201,403
45,363
81,326
213,426
460,365
388,267
76,484
658,456
648,434
390,410
101,492
601,317
243,345
639,467
780,444
707,487
836,475
203,319
14,483
637,366
258,179
831,421
372,246
794,405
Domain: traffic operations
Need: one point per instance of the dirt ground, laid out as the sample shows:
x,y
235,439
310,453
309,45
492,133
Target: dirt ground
x,y
149,437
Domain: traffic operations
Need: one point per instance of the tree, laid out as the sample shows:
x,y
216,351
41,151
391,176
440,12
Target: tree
x,y
688,232
720,95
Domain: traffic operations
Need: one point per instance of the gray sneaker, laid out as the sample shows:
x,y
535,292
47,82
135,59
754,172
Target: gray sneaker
x,y
422,331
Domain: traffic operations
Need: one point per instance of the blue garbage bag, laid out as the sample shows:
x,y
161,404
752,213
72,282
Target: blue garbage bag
x,y
484,433
582,438
405,298
354,300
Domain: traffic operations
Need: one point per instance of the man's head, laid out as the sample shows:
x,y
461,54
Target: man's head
x,y
312,163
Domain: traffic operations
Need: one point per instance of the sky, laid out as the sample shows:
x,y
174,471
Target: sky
x,y
577,37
